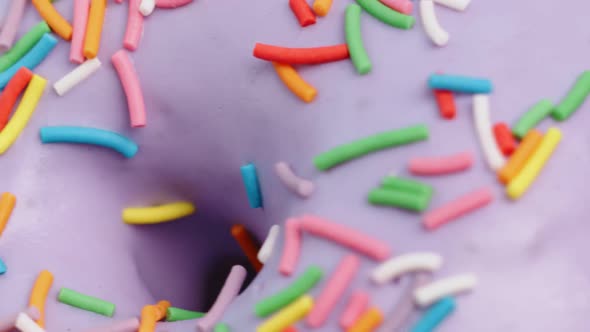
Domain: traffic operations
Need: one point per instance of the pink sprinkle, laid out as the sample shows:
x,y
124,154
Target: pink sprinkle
x,y
356,306
333,291
128,325
11,24
172,3
346,236
457,208
228,293
134,26
132,88
81,9
402,6
7,323
292,247
441,165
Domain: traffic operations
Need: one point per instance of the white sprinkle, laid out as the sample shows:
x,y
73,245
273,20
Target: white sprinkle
x,y
268,246
459,5
24,323
411,262
146,7
433,29
426,295
76,76
301,187
481,113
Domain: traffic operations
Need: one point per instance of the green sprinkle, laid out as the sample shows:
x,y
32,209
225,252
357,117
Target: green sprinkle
x,y
176,314
85,302
407,185
23,45
370,144
387,15
575,97
299,287
532,118
354,40
400,199
221,327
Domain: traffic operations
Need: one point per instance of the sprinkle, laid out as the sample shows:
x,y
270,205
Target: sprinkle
x,y
521,182
302,12
302,187
132,87
292,246
300,56
361,147
7,323
250,178
504,138
457,208
247,244
435,315
3,268
134,29
268,245
31,60
446,103
146,7
11,23
11,93
405,306
24,323
81,12
39,294
176,314
128,325
172,3
459,5
426,295
574,99
56,22
532,117
441,165
386,14
287,295
23,113
157,214
333,291
221,327
290,329
151,314
346,236
322,7
288,316
407,185
354,40
91,136
519,158
432,27
368,321
295,83
85,302
24,45
402,6
73,78
462,84
400,199
481,113
356,305
228,293
407,263
94,28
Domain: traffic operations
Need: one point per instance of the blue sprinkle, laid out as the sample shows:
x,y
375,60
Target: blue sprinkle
x,y
434,315
2,267
460,83
252,185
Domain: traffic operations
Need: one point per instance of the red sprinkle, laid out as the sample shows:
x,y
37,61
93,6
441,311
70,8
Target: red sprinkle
x,y
303,12
8,98
290,329
446,103
298,56
504,138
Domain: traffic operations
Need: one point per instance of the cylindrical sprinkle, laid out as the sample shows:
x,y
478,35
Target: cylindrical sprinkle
x,y
292,246
39,293
504,139
438,35
302,12
134,29
146,7
532,117
250,179
459,5
386,14
435,315
76,76
297,288
248,245
404,308
268,245
288,316
7,323
31,60
402,6
176,314
457,208
132,87
58,23
322,7
462,84
81,11
519,158
483,125
91,136
429,294
519,185
354,40
157,214
7,203
3,267
397,266
23,45
221,327
85,302
9,96
368,321
302,187
574,99
94,28
361,147
24,323
300,56
295,83
128,325
407,185
400,199
441,165
11,24
357,303
446,103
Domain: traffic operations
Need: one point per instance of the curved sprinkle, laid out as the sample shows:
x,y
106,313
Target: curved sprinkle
x,y
76,76
92,136
23,113
39,294
532,117
407,263
81,10
368,321
128,325
322,7
228,293
132,88
483,125
292,246
248,245
151,314
402,6
157,214
459,5
7,323
441,165
134,29
386,14
354,40
171,4
146,7
11,23
31,60
267,247
357,304
435,315
11,93
25,323
301,187
457,208
426,295
288,316
437,34
86,302
574,98
295,83
404,308
53,18
300,56
23,45
94,28
7,203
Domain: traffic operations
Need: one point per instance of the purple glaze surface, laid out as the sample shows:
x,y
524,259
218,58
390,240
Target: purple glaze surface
x,y
212,107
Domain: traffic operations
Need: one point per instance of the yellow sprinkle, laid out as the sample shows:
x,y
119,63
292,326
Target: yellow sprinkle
x,y
322,7
288,315
519,185
157,214
23,113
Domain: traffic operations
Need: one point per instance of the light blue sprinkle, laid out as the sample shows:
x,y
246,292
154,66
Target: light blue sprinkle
x,y
434,315
252,185
462,84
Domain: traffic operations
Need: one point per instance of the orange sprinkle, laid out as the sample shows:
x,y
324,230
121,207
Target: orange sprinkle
x,y
56,22
161,308
290,329
248,245
39,294
7,202
295,82
519,158
94,28
151,314
368,321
